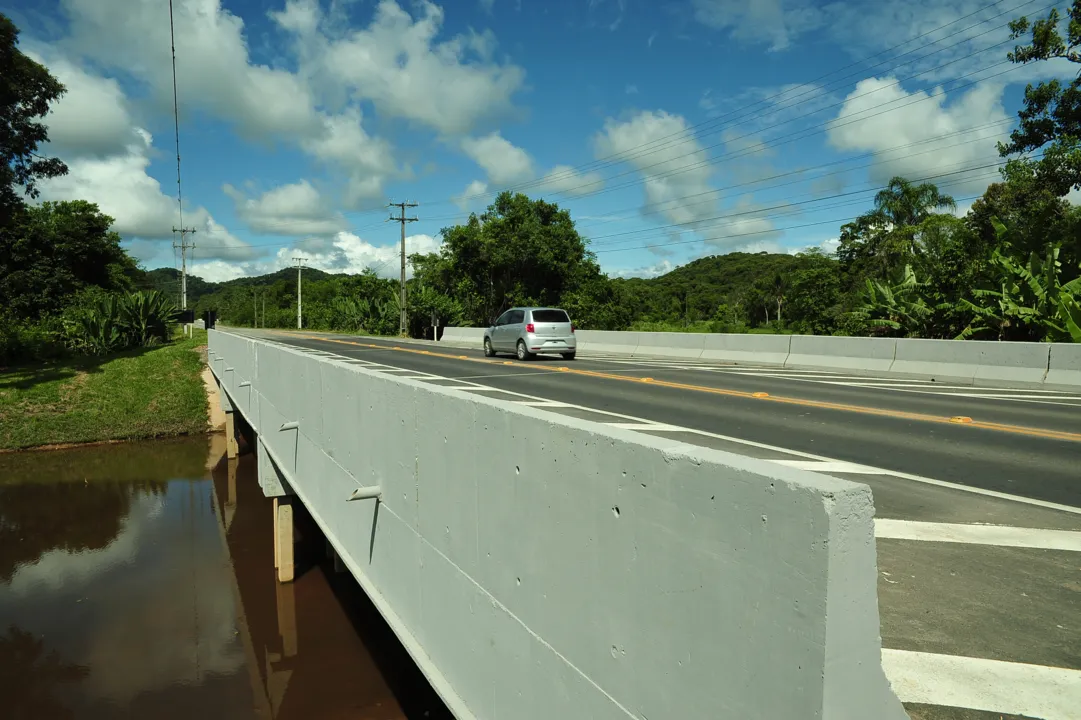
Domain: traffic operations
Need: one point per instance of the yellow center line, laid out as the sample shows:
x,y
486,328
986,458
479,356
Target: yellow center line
x,y
764,397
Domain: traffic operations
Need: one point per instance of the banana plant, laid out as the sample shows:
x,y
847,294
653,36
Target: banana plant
x,y
897,306
1031,297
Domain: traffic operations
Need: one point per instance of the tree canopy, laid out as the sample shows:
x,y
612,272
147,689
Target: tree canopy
x,y
27,89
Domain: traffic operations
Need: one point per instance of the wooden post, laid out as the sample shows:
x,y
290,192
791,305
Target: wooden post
x,y
283,538
231,448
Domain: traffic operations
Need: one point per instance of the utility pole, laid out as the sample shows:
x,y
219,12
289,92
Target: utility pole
x,y
184,247
404,319
300,264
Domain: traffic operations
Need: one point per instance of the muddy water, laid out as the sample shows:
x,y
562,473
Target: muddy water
x,y
137,581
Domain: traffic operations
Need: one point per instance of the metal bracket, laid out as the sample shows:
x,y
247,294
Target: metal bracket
x,y
229,369
371,492
292,425
246,383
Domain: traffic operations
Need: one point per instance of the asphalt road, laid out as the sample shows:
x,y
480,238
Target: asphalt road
x,y
1036,454
1015,461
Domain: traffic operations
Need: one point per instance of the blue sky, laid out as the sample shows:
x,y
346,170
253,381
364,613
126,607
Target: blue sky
x,y
671,129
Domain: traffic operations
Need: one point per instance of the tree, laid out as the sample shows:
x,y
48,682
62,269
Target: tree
x,y
27,89
1051,116
1031,302
53,251
519,252
882,241
896,307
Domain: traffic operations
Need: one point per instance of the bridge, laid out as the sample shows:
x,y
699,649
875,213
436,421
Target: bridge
x,y
665,529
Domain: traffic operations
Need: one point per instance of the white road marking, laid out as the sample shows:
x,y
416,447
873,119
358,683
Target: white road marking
x,y
832,467
645,426
1000,535
772,448
1035,691
543,403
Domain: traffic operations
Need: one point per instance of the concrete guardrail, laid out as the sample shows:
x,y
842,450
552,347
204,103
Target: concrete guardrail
x,y
970,362
538,566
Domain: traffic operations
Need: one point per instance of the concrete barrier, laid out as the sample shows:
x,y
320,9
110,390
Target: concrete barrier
x,y
607,341
849,353
538,566
463,335
668,344
1064,366
972,361
747,349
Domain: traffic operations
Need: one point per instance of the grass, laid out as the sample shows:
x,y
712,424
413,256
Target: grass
x,y
138,394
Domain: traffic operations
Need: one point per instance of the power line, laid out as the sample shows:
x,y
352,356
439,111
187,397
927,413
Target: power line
x,y
184,231
616,158
770,230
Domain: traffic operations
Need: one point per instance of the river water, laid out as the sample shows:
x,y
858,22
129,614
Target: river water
x,y
137,581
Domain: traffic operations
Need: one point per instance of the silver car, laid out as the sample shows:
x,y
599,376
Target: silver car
x,y
529,331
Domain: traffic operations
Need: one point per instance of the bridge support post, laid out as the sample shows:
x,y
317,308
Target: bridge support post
x,y
231,447
283,539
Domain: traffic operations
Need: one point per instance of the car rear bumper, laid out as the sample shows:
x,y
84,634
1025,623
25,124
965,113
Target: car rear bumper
x,y
539,344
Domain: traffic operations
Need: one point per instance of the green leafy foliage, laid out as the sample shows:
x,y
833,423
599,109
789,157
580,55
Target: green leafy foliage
x,y
27,90
100,324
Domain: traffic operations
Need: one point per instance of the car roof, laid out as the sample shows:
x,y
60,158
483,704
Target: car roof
x,y
535,307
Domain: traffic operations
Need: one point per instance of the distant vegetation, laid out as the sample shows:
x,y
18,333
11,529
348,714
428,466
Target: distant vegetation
x,y
1008,270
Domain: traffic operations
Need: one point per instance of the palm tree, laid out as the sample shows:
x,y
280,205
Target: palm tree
x,y
903,204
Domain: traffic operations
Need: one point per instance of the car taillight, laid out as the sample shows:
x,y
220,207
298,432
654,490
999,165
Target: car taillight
x,y
530,328
573,329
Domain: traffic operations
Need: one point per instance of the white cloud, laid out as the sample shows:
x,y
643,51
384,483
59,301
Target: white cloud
x,y
296,209
631,89
92,118
108,157
675,170
565,180
504,162
122,189
777,22
472,196
397,64
860,127
368,161
213,66
344,253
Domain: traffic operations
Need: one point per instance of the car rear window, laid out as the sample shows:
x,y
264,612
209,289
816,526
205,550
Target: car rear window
x,y
550,316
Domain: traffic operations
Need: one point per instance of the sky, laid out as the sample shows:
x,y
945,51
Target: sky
x,y
670,129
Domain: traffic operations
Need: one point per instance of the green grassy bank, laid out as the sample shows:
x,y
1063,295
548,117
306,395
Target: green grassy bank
x,y
144,393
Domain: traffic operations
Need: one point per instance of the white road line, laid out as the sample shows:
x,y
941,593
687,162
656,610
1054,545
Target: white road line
x,y
527,399
543,403
645,426
1001,535
1035,691
832,467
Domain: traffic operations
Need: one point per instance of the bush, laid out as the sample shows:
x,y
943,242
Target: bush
x,y
99,323
23,342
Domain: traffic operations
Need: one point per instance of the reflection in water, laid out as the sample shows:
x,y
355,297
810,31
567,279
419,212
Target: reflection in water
x,y
151,593
29,675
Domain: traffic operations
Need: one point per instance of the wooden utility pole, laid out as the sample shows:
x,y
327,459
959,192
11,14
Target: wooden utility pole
x,y
184,246
404,319
300,264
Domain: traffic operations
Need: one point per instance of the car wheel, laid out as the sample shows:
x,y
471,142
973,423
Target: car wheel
x,y
523,354
568,356
488,351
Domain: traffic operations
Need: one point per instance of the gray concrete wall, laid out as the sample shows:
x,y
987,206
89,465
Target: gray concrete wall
x,y
537,566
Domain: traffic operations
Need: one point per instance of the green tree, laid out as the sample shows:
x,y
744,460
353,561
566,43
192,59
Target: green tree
x,y
1031,302
896,307
53,251
27,89
1051,117
518,252
882,241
